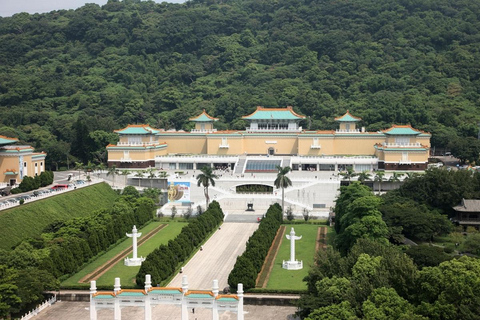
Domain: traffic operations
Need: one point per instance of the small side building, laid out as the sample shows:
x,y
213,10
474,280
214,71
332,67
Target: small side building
x,y
468,213
18,161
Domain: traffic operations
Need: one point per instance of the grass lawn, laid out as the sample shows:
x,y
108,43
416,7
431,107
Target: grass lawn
x,y
29,220
126,274
304,250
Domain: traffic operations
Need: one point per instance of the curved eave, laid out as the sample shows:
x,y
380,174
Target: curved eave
x,y
137,129
348,117
6,140
203,117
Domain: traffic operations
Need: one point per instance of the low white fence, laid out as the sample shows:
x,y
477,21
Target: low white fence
x,y
40,307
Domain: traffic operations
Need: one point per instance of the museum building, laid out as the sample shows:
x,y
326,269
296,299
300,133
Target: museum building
x,y
274,137
18,161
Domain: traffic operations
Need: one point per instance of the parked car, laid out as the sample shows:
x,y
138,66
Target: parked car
x,y
59,187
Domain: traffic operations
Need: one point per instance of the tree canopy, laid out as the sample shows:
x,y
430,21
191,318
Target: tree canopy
x,y
68,78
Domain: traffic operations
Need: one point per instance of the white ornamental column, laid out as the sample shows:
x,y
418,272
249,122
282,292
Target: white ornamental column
x,y
240,302
292,264
93,290
148,307
184,298
117,313
215,294
134,235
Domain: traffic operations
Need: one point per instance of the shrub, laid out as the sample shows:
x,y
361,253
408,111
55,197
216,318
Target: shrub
x,y
257,249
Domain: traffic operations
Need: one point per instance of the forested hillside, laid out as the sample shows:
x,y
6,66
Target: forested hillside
x,y
69,78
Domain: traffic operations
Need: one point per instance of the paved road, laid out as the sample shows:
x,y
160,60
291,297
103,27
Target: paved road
x,y
217,258
80,310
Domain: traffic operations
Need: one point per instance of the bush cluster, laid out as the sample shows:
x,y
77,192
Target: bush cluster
x,y
29,183
250,263
163,261
72,243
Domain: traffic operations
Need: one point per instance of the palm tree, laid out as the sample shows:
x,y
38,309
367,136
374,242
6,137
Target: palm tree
x,y
364,176
349,174
140,174
112,171
410,175
79,167
379,177
283,182
395,177
151,175
125,173
205,179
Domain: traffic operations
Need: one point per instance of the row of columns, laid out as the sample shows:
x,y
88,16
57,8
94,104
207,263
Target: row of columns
x,y
117,311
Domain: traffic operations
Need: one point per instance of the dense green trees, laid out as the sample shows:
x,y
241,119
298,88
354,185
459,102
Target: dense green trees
x,y
69,78
34,265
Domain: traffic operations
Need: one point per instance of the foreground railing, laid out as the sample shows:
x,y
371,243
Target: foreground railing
x,y
40,307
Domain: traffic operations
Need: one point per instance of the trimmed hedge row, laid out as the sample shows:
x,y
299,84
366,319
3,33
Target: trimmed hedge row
x,y
163,261
250,263
72,243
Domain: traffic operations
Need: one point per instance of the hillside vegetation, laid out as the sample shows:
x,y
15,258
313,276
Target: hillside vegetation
x,y
30,219
68,78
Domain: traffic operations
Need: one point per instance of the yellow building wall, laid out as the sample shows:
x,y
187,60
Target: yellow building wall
x,y
412,156
8,163
206,125
185,143
343,125
235,144
261,144
305,143
357,145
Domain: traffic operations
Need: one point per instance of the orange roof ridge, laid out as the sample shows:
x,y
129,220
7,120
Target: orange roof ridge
x,y
199,292
5,137
348,113
131,290
165,288
234,296
103,293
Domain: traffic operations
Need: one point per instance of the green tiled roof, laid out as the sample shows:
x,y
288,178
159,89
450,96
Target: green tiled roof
x,y
137,129
199,296
203,117
6,140
131,294
402,131
274,114
104,296
227,299
347,117
165,292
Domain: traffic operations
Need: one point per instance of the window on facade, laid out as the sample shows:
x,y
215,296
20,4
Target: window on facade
x,y
36,164
402,140
24,164
135,140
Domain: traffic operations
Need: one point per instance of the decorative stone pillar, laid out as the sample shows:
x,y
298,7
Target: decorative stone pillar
x,y
117,313
215,294
134,261
93,290
184,298
292,264
240,302
148,308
